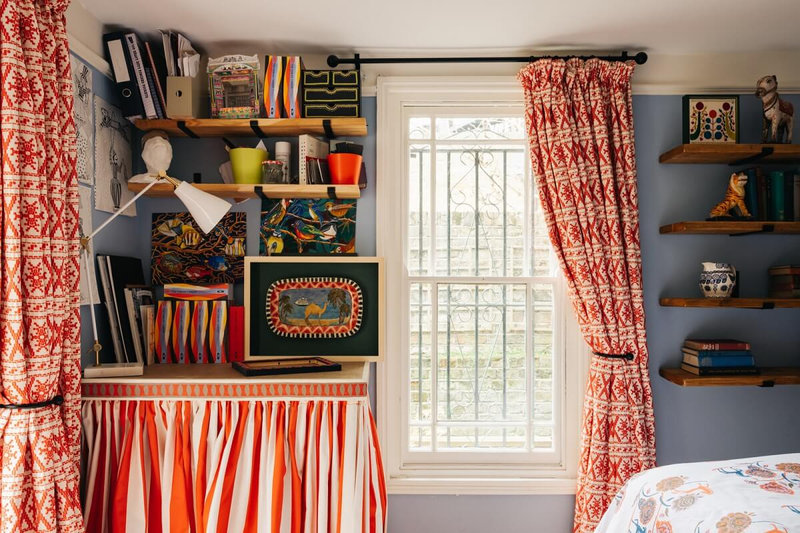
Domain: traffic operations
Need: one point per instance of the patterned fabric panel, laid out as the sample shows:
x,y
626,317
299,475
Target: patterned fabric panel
x,y
222,390
234,466
756,495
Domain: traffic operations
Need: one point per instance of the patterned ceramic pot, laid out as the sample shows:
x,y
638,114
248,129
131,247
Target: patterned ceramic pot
x,y
717,280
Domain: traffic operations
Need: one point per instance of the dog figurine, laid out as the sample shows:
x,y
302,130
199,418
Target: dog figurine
x,y
777,120
733,205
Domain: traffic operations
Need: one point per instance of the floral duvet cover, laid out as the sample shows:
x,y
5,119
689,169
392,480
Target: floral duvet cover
x,y
756,495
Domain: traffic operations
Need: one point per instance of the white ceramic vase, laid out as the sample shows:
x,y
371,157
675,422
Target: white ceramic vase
x,y
717,280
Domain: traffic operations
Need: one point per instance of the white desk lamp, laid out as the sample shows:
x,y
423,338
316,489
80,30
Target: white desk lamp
x,y
206,209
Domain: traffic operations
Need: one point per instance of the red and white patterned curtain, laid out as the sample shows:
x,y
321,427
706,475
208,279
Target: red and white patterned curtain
x,y
580,127
39,300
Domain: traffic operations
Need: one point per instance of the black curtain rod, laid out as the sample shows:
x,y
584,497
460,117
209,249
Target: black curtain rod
x,y
334,61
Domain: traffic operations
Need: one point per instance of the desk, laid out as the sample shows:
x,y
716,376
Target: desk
x,y
203,448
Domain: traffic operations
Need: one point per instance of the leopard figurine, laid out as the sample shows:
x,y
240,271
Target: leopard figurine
x,y
734,198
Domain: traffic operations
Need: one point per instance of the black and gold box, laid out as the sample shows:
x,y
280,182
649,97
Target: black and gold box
x,y
331,93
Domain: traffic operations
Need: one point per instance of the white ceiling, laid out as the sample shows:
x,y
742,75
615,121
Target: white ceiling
x,y
374,27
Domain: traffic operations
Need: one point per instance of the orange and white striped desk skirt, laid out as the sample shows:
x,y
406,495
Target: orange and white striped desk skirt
x,y
202,448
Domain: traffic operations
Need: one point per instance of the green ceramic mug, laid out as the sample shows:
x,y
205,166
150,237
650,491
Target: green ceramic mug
x,y
246,164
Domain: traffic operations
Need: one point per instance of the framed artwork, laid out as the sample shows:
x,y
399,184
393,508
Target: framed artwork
x,y
710,118
181,253
306,226
328,307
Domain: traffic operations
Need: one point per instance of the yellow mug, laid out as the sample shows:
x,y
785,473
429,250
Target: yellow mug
x,y
246,164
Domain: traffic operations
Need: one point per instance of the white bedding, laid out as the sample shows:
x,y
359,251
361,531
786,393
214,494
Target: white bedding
x,y
756,495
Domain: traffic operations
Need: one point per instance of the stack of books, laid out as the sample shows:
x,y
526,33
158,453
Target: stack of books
x,y
717,356
774,195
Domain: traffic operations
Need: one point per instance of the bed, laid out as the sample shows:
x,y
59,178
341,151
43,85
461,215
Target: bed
x,y
756,495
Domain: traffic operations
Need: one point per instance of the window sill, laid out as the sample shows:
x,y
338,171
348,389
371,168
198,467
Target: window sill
x,y
491,486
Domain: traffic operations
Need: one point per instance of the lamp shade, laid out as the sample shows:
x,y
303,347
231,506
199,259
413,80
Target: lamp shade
x,y
206,209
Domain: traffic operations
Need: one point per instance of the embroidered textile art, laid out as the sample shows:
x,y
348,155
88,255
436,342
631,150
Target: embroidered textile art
x,y
39,304
580,129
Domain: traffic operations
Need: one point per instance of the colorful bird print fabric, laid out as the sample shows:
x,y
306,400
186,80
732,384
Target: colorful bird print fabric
x,y
756,495
306,226
181,253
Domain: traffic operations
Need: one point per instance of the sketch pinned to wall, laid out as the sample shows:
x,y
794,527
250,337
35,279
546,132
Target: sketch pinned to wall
x,y
84,123
112,159
85,218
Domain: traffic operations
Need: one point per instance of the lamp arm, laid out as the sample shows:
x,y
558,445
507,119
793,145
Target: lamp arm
x,y
122,209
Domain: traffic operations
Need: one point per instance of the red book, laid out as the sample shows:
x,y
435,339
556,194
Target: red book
x,y
716,344
236,333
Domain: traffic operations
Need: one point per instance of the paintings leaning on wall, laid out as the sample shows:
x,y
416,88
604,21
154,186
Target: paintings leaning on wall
x,y
306,226
112,159
182,253
84,119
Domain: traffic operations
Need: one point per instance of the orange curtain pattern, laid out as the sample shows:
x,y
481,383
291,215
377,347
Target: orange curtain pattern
x,y
579,116
39,272
277,466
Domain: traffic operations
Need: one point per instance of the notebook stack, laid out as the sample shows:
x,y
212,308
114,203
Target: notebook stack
x,y
705,357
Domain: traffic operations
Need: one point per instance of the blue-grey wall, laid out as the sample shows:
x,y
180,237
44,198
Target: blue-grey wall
x,y
691,424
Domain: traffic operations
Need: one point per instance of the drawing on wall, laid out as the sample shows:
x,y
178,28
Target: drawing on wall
x,y
307,227
85,222
84,123
182,253
314,307
112,159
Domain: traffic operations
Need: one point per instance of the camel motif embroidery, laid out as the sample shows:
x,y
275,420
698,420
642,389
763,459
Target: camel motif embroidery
x,y
314,308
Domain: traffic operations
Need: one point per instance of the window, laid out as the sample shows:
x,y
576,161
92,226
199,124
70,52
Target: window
x,y
477,393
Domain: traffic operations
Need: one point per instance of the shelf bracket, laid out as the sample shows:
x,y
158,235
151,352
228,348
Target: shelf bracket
x,y
768,305
765,228
182,126
765,151
257,129
332,193
326,125
767,383
259,190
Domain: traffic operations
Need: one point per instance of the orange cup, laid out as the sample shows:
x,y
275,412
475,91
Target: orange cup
x,y
345,169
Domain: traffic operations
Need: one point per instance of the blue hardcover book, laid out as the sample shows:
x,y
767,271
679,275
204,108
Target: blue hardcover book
x,y
718,362
751,192
716,353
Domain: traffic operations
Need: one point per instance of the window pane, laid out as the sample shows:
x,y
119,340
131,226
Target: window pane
x,y
480,128
419,128
481,358
543,379
419,351
544,262
419,231
480,210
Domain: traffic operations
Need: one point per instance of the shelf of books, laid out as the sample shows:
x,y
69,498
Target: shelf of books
x,y
766,376
730,227
244,192
732,154
741,303
245,127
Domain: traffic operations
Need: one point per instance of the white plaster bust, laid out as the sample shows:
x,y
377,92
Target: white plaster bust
x,y
157,156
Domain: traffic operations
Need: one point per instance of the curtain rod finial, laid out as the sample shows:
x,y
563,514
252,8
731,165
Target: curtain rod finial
x,y
333,61
640,58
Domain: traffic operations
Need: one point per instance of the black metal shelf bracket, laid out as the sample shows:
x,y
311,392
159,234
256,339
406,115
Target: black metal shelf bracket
x,y
326,125
768,305
332,193
765,151
259,190
185,129
765,228
257,129
767,383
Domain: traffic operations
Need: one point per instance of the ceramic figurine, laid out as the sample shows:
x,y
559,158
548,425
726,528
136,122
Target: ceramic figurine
x,y
156,154
732,206
777,119
717,280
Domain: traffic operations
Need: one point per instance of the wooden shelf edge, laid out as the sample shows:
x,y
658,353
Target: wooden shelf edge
x,y
767,377
243,192
733,227
740,303
271,127
730,153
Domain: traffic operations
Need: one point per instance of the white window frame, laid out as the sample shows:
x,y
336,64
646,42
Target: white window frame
x,y
456,472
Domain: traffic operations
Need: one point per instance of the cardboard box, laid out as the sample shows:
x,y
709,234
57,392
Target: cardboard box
x,y
185,97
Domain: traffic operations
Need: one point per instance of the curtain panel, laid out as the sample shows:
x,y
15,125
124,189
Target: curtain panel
x,y
579,117
309,465
39,305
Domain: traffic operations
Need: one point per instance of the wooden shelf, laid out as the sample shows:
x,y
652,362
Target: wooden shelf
x,y
270,127
732,154
731,227
767,377
742,303
244,192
